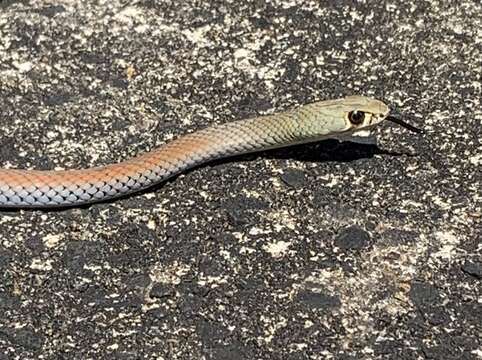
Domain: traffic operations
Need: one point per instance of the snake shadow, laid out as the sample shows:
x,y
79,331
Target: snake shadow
x,y
329,151
323,151
319,152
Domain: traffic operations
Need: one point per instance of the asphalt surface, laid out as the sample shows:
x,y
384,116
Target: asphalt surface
x,y
324,251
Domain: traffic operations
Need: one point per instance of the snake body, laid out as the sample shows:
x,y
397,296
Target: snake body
x,y
308,123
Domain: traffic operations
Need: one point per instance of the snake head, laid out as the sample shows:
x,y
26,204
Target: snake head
x,y
361,112
343,118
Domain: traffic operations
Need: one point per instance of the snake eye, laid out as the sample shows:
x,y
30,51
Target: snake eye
x,y
356,117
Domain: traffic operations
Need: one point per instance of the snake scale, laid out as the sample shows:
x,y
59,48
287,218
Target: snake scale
x,y
312,122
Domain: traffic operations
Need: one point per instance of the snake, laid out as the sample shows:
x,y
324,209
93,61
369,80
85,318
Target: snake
x,y
337,119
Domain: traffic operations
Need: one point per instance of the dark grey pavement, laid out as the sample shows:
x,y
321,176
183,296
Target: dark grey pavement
x,y
323,251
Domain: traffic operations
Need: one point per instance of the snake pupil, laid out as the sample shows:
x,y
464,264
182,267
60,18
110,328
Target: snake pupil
x,y
356,117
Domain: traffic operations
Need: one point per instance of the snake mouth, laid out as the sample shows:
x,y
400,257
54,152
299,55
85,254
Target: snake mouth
x,y
397,120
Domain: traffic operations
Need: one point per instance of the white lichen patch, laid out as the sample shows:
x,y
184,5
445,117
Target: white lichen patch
x,y
23,67
169,274
41,265
449,243
243,58
129,13
258,231
282,220
197,36
213,281
476,159
277,249
271,325
52,240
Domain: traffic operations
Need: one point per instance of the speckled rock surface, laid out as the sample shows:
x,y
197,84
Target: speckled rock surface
x,y
327,251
